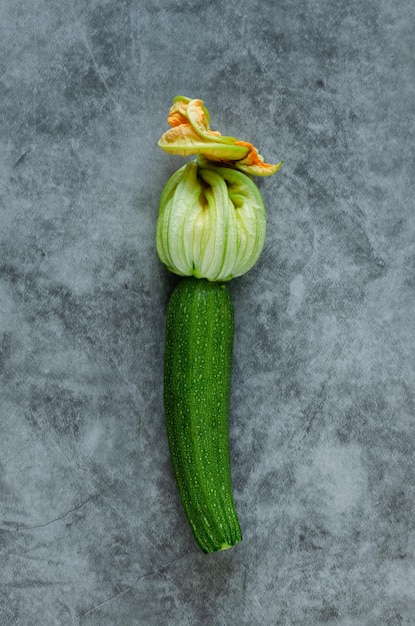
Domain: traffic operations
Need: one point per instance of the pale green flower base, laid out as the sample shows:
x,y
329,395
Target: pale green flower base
x,y
211,223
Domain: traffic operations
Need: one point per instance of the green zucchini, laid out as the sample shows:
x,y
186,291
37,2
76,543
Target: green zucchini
x,y
197,379
211,228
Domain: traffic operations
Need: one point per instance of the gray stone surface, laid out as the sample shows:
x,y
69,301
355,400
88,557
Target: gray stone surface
x,y
322,432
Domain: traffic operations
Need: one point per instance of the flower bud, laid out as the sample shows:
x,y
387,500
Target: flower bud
x,y
211,222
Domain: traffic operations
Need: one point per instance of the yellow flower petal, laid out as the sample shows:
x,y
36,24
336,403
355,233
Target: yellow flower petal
x,y
183,140
196,114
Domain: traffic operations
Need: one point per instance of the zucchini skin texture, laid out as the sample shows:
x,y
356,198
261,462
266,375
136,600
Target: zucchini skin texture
x,y
197,379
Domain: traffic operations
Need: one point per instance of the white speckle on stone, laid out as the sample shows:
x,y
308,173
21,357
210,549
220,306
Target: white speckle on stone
x,y
296,295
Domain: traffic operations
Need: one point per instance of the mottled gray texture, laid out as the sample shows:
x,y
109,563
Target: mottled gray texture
x,y
322,432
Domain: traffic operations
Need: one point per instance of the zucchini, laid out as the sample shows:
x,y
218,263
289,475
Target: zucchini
x,y
210,229
197,379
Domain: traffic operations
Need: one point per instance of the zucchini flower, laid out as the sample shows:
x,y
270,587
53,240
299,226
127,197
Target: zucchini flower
x,y
212,220
191,134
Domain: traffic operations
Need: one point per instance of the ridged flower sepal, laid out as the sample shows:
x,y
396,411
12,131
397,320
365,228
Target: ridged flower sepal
x,y
211,222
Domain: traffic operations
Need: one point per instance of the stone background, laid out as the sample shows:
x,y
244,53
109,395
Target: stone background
x,y
322,426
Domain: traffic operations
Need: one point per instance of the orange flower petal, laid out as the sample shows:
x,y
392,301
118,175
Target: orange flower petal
x,y
254,164
191,134
178,112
